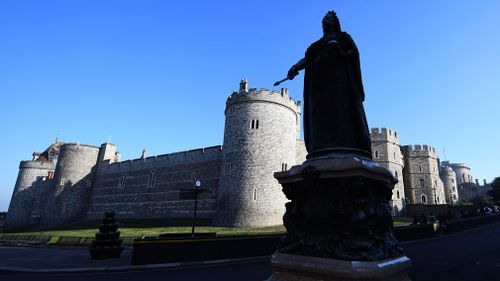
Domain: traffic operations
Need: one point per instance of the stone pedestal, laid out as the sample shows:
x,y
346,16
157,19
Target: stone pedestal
x,y
294,268
338,222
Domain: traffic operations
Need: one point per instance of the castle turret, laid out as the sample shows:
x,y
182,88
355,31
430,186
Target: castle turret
x,y
260,138
72,184
462,171
386,151
30,184
421,175
448,177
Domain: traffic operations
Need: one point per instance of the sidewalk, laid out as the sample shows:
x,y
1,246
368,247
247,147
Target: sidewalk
x,y
56,257
55,260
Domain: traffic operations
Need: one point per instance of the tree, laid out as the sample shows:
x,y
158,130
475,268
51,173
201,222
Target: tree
x,y
495,190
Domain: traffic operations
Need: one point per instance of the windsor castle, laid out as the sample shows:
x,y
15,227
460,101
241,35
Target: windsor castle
x,y
72,182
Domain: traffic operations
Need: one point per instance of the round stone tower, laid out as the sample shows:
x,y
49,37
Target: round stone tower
x,y
30,178
386,151
448,177
260,138
462,171
73,181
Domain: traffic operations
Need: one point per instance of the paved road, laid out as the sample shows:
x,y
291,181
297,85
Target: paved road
x,y
472,256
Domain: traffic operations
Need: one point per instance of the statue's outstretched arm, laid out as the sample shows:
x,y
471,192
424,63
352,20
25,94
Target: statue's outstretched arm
x,y
294,70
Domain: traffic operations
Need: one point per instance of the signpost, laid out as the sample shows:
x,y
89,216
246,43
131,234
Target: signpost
x,y
189,194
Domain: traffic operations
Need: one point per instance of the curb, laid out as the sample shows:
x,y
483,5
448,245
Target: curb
x,y
445,236
132,268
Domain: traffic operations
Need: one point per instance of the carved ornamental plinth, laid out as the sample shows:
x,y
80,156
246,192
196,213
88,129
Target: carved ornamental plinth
x,y
339,215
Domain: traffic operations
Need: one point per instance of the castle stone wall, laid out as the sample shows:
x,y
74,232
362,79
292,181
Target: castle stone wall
x,y
448,177
72,184
30,186
150,187
421,175
301,152
260,138
462,171
386,151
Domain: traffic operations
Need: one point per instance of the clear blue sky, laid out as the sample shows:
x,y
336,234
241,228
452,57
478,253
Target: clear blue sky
x,y
156,74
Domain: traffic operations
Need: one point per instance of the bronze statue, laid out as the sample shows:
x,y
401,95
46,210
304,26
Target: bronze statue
x,y
334,118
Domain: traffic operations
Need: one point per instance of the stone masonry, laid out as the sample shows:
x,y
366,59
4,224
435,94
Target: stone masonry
x,y
421,175
386,151
71,182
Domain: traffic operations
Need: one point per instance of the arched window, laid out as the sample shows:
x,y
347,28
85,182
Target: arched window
x,y
422,183
424,199
257,124
376,154
253,124
420,168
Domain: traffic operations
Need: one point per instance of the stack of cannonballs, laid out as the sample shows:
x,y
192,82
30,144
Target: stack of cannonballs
x,y
107,243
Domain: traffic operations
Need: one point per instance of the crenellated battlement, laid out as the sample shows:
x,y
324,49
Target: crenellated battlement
x,y
384,134
49,165
263,95
164,160
419,150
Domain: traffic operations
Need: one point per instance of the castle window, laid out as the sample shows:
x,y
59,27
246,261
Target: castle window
x,y
254,194
435,184
452,181
397,194
152,179
437,200
121,182
394,155
453,188
376,154
420,168
424,199
454,196
396,174
284,166
463,177
227,168
254,124
422,183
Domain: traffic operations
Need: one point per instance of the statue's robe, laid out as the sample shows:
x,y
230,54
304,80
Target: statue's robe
x,y
334,118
